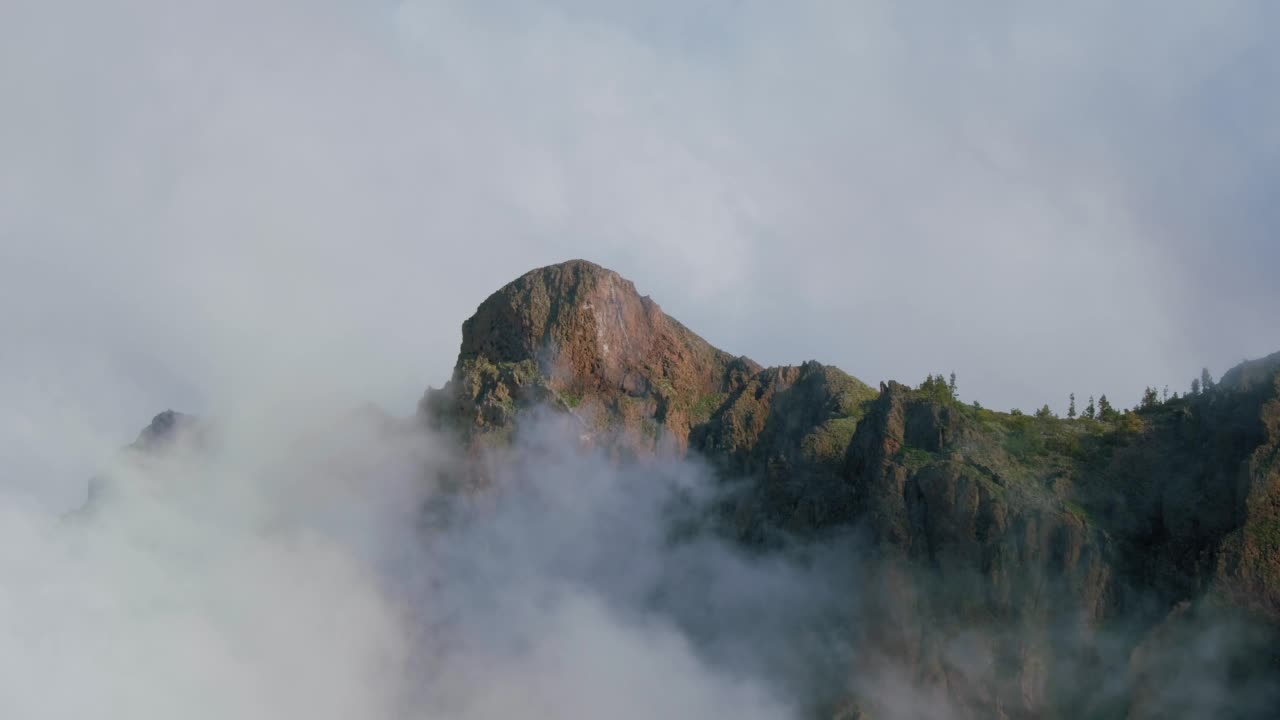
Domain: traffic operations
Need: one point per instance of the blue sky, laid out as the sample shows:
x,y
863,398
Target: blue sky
x,y
204,205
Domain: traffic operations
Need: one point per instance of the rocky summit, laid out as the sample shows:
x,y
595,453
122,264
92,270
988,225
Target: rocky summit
x,y
580,338
1111,565
1073,556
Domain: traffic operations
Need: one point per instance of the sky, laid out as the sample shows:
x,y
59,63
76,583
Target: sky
x,y
298,203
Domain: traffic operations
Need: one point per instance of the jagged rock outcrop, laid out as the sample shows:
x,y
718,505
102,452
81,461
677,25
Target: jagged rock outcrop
x,y
1054,552
786,430
165,432
1082,533
581,338
1009,566
1195,492
975,540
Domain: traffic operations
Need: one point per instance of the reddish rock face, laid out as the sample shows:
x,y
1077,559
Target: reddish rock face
x,y
590,343
589,330
1010,564
979,522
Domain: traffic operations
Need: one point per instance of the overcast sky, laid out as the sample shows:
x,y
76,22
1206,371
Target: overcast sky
x,y
302,201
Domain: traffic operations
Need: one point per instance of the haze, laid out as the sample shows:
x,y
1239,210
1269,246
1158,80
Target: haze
x,y
205,201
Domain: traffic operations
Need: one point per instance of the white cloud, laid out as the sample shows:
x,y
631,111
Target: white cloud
x,y
281,569
202,202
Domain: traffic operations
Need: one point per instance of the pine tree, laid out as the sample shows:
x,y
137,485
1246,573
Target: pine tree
x,y
1149,399
1195,386
1206,380
952,384
1071,407
1090,411
1165,397
1044,412
1105,411
935,388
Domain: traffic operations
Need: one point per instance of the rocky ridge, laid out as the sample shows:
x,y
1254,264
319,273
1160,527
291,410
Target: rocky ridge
x,y
1011,566
1098,540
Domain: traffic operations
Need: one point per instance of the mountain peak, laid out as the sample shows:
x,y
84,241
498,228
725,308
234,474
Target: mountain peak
x,y
575,311
163,430
582,337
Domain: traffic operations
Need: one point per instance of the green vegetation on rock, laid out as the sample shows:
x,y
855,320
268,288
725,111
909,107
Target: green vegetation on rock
x,y
981,521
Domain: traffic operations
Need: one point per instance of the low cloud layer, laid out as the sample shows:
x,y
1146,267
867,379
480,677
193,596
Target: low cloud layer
x,y
259,211
321,567
288,572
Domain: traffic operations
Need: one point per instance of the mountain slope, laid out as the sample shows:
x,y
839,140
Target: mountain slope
x,y
1059,553
996,565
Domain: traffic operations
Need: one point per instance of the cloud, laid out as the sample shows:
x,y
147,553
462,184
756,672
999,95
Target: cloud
x,y
282,570
201,202
183,594
259,211
302,562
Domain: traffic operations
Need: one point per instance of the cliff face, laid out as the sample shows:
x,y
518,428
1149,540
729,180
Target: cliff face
x,y
1062,555
1112,547
579,338
1002,565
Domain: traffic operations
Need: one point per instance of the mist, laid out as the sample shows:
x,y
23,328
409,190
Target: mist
x,y
200,198
269,213
288,571
331,567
